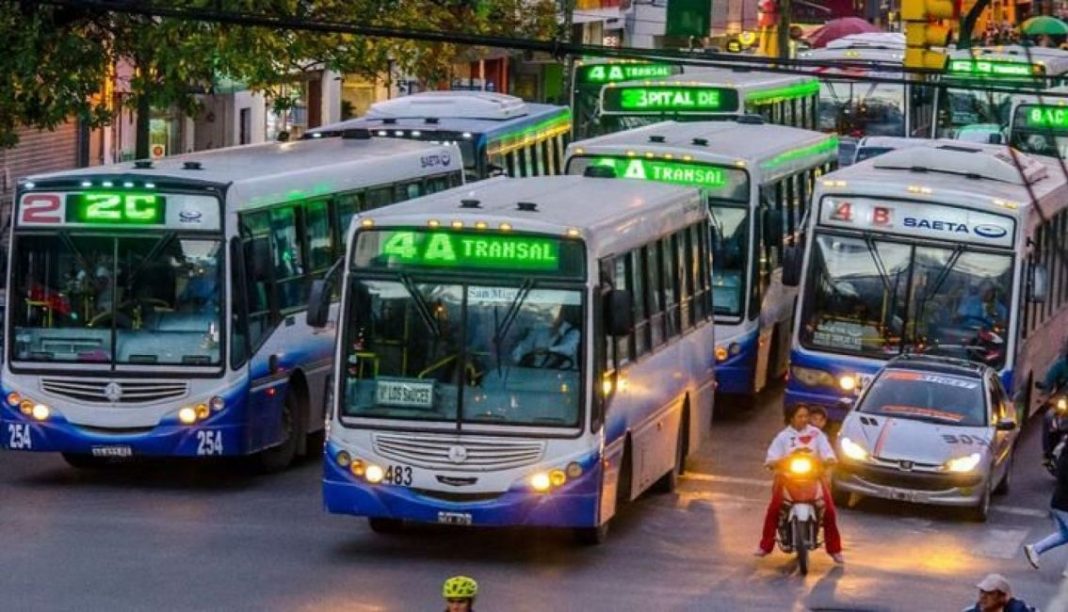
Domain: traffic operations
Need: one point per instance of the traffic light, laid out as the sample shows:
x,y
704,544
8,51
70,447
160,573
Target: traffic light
x,y
923,31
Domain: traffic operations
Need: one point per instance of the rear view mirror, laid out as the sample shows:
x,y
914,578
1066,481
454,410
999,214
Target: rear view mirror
x,y
1006,425
619,313
1039,283
792,257
995,139
258,258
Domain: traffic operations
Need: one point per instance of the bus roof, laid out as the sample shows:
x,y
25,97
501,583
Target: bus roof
x,y
741,78
270,172
766,146
1044,97
477,112
869,40
597,207
987,174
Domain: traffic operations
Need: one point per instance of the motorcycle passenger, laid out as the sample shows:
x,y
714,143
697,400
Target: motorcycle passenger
x,y
459,593
800,434
1056,379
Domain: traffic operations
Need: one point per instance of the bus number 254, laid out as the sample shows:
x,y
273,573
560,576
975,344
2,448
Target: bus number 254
x,y
209,443
19,436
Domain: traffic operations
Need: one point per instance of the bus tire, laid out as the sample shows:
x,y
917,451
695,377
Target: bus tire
x,y
385,526
84,461
280,456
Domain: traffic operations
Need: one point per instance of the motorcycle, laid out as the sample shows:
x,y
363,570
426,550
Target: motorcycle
x,y
1056,427
802,512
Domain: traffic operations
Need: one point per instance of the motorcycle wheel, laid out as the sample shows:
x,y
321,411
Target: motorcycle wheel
x,y
801,547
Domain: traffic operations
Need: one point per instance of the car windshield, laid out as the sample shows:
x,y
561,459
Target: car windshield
x,y
730,240
876,298
149,299
963,107
467,353
863,109
926,396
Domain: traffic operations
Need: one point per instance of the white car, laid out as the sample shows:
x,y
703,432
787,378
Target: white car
x,y
929,430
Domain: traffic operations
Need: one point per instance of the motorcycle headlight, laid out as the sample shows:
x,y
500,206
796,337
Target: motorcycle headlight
x,y
1062,403
853,450
812,377
964,464
800,465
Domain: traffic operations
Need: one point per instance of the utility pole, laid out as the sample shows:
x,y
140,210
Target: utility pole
x,y
783,38
569,18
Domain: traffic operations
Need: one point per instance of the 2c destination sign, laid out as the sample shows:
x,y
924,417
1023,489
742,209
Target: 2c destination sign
x,y
668,100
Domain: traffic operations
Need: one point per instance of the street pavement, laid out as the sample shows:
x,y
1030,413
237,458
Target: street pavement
x,y
210,536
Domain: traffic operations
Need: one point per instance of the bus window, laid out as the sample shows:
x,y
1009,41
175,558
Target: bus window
x,y
347,205
259,285
320,240
288,269
669,259
654,294
381,196
619,281
638,289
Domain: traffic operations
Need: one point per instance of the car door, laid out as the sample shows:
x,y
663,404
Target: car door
x,y
1001,409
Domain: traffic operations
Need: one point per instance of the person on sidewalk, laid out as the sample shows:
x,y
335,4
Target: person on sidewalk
x,y
1059,510
995,595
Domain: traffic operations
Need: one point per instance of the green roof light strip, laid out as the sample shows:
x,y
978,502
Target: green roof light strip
x,y
983,68
828,145
662,171
508,141
1045,117
778,94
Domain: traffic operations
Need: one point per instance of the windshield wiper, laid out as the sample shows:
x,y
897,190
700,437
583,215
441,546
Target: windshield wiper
x,y
943,274
421,306
501,327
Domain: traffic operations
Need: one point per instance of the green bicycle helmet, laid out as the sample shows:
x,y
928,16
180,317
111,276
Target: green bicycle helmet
x,y
460,587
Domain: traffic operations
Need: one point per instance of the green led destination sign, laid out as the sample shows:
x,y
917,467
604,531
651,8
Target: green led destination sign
x,y
107,208
1050,117
468,250
726,183
985,68
668,99
614,73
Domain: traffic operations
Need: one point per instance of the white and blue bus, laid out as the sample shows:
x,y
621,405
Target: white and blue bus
x,y
497,133
1038,123
154,304
934,249
756,180
520,352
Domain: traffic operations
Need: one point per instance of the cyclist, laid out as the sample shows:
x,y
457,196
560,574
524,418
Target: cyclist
x,y
459,593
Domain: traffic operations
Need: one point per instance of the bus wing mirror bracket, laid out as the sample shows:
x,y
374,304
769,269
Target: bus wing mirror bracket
x,y
792,257
619,313
1039,283
319,297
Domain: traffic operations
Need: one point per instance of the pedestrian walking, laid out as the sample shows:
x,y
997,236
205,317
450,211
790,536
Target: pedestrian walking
x,y
995,595
1059,510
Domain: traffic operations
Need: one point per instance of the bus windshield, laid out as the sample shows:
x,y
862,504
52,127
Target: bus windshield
x,y
863,109
1041,129
960,108
877,298
154,298
493,353
730,240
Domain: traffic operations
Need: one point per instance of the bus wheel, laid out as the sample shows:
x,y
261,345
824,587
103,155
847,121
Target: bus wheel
x,y
86,462
592,536
670,481
278,458
385,525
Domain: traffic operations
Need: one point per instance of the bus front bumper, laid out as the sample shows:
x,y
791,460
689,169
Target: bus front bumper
x,y
574,504
213,437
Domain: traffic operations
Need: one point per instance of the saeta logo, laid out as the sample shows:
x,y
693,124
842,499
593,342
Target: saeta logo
x,y
190,216
990,231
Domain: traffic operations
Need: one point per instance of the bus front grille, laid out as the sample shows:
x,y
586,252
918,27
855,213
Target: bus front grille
x,y
459,454
114,392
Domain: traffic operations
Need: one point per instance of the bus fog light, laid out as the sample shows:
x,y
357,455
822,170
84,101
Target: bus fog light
x,y
187,415
343,459
574,470
374,474
721,353
26,407
14,398
41,412
557,478
217,403
358,468
202,411
540,482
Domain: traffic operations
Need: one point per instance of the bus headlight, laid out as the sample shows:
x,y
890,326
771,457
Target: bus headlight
x,y
187,415
721,353
13,399
964,464
812,377
540,482
343,459
41,412
217,403
374,474
847,382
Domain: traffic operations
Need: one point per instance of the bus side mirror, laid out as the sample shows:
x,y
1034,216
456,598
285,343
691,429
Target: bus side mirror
x,y
619,313
792,257
1039,283
320,296
772,226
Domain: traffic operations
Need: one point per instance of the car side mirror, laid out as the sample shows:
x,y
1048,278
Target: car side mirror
x,y
792,256
1006,425
619,313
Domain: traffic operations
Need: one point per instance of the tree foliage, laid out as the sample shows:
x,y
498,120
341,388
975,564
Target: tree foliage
x,y
59,59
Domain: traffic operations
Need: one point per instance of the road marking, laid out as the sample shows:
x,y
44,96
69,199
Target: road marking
x,y
1021,511
698,476
1001,543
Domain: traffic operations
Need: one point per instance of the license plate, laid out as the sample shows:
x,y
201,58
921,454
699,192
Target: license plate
x,y
112,451
454,518
904,495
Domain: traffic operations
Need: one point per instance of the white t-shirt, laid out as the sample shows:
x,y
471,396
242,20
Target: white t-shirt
x,y
791,439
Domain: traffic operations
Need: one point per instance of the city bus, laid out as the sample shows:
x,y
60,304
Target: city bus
x,y
756,180
1038,124
855,108
590,75
935,249
520,352
496,133
961,101
703,94
154,306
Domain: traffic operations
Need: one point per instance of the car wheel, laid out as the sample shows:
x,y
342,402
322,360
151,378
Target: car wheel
x,y
980,511
1006,480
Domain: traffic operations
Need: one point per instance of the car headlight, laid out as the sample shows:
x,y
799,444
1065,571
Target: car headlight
x,y
811,377
853,450
964,464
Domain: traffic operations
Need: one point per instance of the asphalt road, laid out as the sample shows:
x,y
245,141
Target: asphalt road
x,y
195,536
